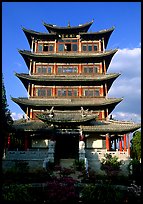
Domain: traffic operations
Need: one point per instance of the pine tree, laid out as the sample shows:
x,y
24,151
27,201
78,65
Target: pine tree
x,y
6,119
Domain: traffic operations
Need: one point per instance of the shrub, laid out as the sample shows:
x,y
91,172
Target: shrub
x,y
110,165
135,170
79,165
16,193
102,194
61,190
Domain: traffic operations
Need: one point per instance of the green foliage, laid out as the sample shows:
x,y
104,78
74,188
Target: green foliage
x,y
110,164
135,170
79,165
6,115
16,193
136,145
66,171
6,119
102,194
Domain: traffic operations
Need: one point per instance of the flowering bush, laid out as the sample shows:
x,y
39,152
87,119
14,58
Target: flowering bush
x,y
61,190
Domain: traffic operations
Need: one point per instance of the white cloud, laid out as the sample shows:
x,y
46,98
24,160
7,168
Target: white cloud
x,y
126,116
16,116
18,64
127,62
128,85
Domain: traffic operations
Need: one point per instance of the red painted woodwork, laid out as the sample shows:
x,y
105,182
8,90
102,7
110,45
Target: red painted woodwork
x,y
80,91
129,145
107,142
8,141
125,143
120,144
80,69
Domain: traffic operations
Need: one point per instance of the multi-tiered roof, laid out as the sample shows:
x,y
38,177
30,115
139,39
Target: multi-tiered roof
x,y
82,112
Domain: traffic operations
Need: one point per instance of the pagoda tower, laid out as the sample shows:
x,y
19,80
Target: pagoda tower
x,y
68,107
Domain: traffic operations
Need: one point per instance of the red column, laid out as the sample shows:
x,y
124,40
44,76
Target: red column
x,y
80,91
107,142
125,143
79,69
100,68
120,144
128,144
81,136
8,141
54,91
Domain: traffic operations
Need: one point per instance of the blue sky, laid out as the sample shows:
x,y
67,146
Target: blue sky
x,y
125,16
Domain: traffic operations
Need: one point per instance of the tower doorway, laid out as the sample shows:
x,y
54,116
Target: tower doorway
x,y
66,147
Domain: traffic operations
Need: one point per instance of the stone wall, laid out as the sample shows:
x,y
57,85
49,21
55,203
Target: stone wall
x,y
94,156
34,159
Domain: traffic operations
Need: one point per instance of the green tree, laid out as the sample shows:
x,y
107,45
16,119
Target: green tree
x,y
136,145
6,119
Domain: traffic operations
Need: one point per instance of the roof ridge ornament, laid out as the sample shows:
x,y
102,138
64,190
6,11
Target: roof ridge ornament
x,y
51,114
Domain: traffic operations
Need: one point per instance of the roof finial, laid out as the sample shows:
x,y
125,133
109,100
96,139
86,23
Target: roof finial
x,y
69,24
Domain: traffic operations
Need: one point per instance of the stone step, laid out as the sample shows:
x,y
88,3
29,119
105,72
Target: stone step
x,y
66,163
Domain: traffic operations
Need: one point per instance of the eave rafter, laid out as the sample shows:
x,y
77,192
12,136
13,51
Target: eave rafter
x,y
69,104
50,80
69,57
112,127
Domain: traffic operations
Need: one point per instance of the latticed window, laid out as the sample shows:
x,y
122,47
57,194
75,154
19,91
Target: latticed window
x,y
40,47
41,92
40,69
44,92
67,92
49,70
67,45
45,47
86,47
91,92
90,69
67,69
49,92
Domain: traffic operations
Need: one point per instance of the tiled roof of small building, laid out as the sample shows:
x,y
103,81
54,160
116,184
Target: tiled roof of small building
x,y
68,117
31,125
112,127
102,127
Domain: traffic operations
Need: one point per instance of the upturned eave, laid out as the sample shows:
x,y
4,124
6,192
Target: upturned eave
x,y
69,29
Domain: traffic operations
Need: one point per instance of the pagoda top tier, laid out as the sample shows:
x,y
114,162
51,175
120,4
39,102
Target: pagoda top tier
x,y
99,35
69,29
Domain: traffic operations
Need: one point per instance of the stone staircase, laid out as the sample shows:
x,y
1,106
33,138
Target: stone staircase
x,y
66,163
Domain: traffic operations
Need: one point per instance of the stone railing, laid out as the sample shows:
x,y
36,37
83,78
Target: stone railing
x,y
99,154
26,155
